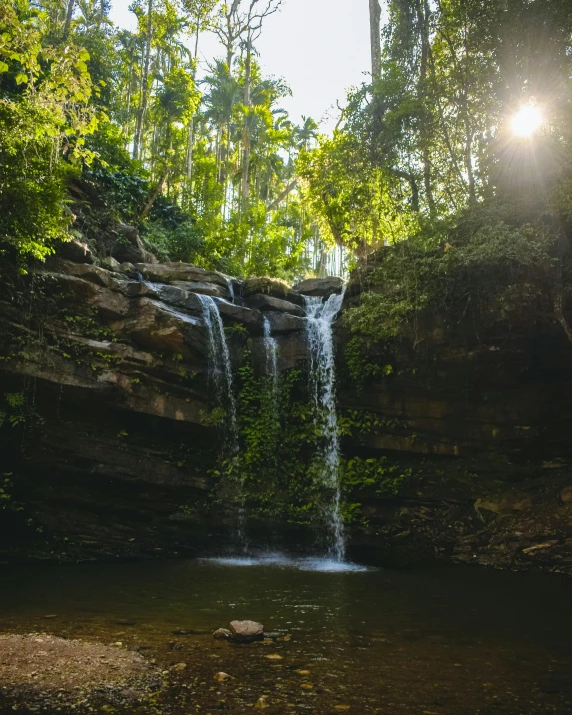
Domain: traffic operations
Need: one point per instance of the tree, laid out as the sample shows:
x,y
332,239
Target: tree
x,y
375,38
44,115
144,83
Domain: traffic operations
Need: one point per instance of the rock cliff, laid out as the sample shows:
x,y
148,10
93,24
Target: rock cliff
x,y
109,440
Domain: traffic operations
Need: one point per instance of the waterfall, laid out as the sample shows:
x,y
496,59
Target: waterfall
x,y
230,287
320,316
221,377
271,350
220,366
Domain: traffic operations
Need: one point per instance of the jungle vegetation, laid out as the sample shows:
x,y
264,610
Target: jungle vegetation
x,y
100,125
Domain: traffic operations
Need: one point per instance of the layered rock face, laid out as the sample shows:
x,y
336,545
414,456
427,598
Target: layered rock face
x,y
480,423
112,447
116,443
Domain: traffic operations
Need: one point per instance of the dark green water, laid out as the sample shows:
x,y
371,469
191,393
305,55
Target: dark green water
x,y
445,641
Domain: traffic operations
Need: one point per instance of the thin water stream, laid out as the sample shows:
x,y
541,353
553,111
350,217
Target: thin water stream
x,y
440,641
320,316
271,350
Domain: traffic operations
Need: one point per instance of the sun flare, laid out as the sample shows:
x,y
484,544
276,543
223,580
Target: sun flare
x,y
526,121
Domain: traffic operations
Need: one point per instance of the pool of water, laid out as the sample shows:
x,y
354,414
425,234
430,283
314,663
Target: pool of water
x,y
435,641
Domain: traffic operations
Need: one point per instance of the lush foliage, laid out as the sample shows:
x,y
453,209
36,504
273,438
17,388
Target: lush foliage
x,y
427,158
45,113
102,126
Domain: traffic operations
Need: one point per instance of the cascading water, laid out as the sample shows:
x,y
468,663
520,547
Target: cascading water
x,y
221,377
230,286
271,351
220,365
320,316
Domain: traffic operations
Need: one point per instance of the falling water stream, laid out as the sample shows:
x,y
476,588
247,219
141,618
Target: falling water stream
x,y
271,352
221,377
320,316
220,365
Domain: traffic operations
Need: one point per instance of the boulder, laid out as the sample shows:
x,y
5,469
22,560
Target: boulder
x,y
320,286
170,294
281,323
269,302
111,303
110,264
175,272
76,251
566,495
239,314
129,246
204,288
271,286
247,631
160,328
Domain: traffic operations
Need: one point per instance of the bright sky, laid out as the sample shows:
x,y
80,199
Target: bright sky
x,y
320,47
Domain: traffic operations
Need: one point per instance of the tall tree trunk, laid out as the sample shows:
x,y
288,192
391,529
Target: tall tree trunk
x,y
424,16
375,38
246,132
156,191
101,17
69,15
282,195
144,85
469,159
192,122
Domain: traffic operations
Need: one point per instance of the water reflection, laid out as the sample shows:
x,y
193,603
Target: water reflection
x,y
449,641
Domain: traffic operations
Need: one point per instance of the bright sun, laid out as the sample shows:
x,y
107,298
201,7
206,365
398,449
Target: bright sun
x,y
526,121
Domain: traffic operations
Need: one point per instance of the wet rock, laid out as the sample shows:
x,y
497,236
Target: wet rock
x,y
282,323
130,694
76,251
320,286
247,631
240,314
269,302
221,677
274,656
179,667
171,294
262,703
176,272
159,328
204,288
222,634
566,495
532,550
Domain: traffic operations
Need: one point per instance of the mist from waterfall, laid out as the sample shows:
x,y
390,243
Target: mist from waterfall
x,y
320,316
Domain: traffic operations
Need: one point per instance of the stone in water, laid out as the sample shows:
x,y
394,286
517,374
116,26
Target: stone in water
x,y
246,631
